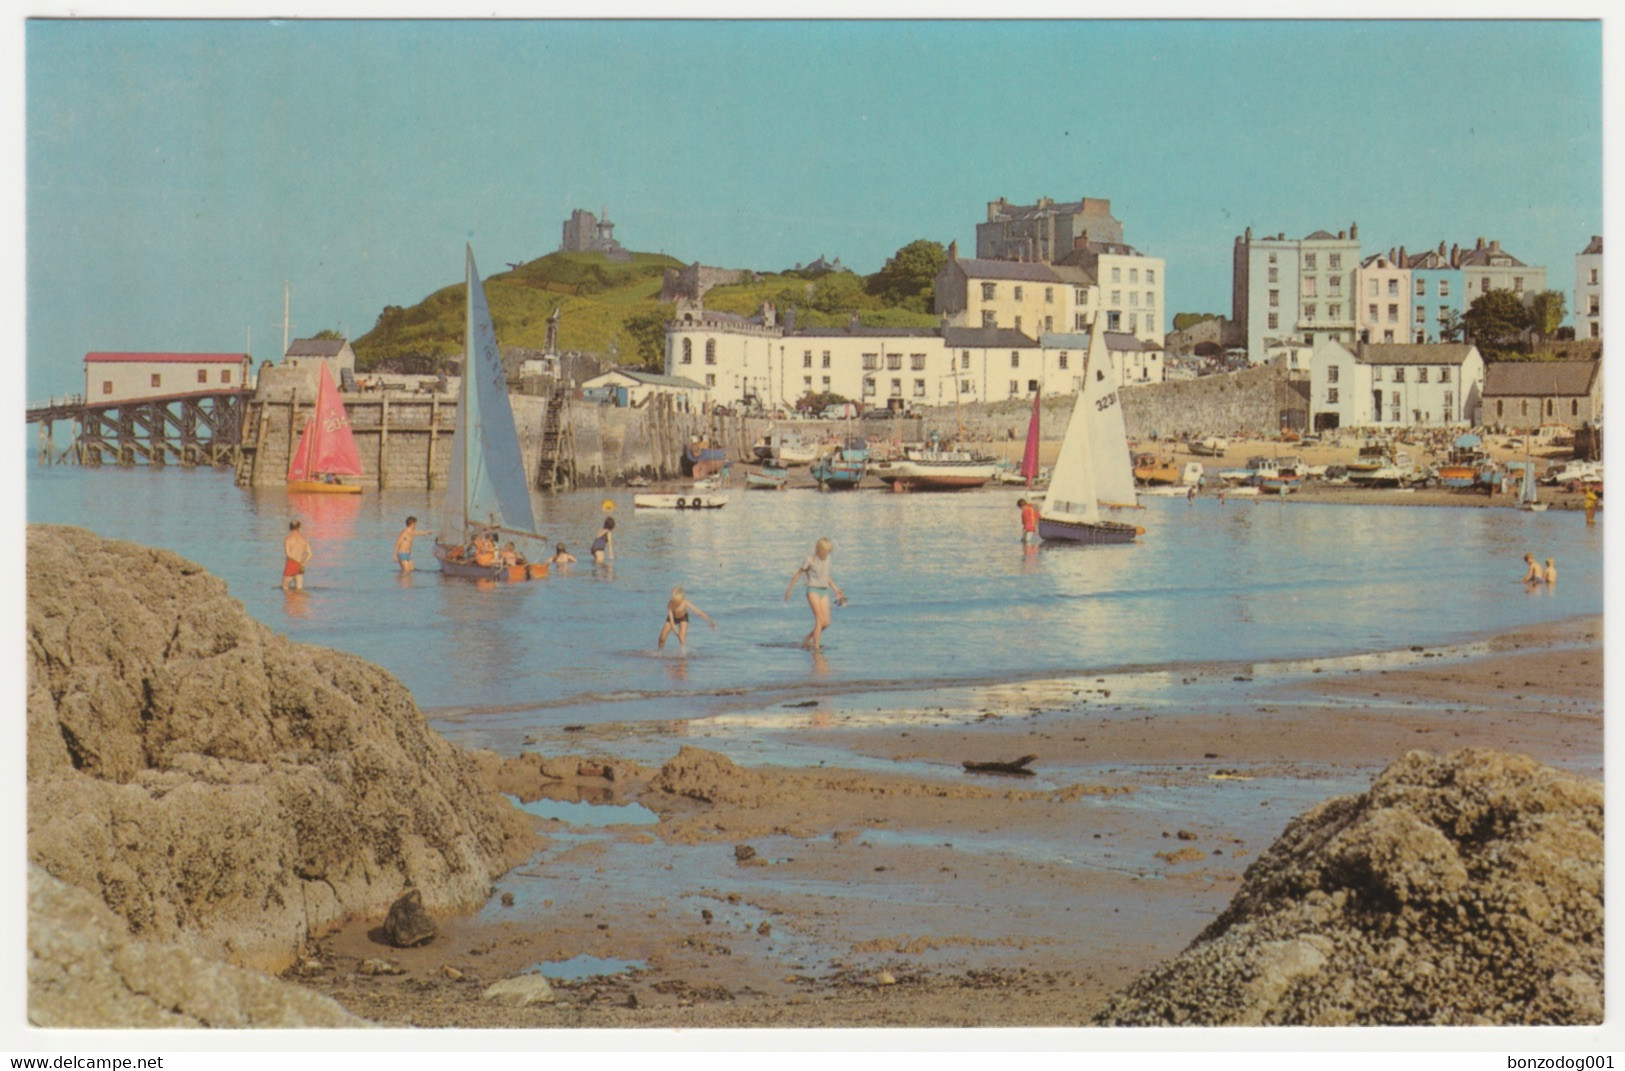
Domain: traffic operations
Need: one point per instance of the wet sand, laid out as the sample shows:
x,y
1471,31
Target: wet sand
x,y
888,887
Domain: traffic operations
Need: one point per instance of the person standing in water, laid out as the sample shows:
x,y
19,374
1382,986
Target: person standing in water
x,y
677,610
1534,574
296,552
403,544
1549,574
603,545
819,586
1029,522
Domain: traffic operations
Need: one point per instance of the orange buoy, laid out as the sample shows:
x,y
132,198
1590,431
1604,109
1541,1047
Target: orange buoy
x,y
609,505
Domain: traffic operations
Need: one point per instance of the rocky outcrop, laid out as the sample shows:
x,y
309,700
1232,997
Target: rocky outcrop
x,y
1462,890
86,972
221,787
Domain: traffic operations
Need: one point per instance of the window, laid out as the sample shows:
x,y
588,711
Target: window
x,y
710,351
1376,375
1309,287
107,386
1393,287
1275,298
1018,323
1524,405
826,384
897,388
1596,329
1134,275
1421,315
1421,337
202,375
1079,323
1517,284
916,361
871,361
964,386
1371,288
1032,386
988,290
710,380
1134,298
1500,409
1015,358
868,387
1080,296
807,382
1371,313
1393,314
1335,282
1309,313
157,380
1387,336
1049,324
1421,375
1399,376
1275,321
1117,277
1049,295
1574,407
1151,299
1117,297
987,318
1018,293
1015,388
1444,313
688,351
1593,279
1275,275
1449,405
1334,312
1134,322
1309,261
1151,277
1308,340
964,358
1594,305
826,359
1421,288
1272,258
1061,361
1444,374
225,375
894,361
1444,287
1114,321
1334,260
1331,373
1485,286
1331,395
919,388
806,358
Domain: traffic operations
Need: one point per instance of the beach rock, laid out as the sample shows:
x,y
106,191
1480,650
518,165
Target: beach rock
x,y
85,971
744,852
711,778
408,924
1457,890
377,966
221,787
523,990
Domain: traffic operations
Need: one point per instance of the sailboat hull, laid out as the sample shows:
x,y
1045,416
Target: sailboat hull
x,y
467,570
320,488
1055,531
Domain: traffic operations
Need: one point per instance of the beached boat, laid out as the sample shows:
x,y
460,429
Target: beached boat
x,y
487,496
835,473
326,448
1093,458
1372,457
1151,469
766,478
1400,472
1464,465
1212,446
1282,477
936,470
700,459
784,450
680,500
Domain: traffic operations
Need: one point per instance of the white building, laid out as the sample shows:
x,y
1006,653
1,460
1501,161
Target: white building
x,y
639,386
116,377
1294,288
1489,267
335,352
1377,385
1588,290
1129,287
749,360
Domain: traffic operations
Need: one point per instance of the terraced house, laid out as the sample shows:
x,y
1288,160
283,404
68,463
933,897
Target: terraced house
x,y
1401,385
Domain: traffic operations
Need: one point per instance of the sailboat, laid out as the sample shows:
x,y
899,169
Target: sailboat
x,y
1029,456
1093,464
326,449
486,493
1528,498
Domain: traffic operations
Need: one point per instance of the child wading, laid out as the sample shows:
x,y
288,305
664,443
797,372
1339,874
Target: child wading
x,y
677,611
819,586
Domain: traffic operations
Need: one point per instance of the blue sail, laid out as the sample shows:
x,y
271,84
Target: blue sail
x,y
487,483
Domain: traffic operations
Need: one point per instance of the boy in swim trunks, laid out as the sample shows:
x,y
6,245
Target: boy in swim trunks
x,y
296,552
677,611
403,544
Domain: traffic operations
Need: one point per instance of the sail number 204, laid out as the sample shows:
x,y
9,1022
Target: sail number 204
x,y
1107,402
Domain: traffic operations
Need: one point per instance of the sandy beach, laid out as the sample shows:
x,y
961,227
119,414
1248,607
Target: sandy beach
x,y
840,893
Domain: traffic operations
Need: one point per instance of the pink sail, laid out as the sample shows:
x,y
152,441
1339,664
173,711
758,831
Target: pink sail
x,y
326,445
1029,460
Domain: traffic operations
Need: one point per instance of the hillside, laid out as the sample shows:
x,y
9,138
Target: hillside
x,y
601,304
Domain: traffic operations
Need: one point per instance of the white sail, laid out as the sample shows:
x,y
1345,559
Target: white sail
x,y
1071,495
486,485
1108,435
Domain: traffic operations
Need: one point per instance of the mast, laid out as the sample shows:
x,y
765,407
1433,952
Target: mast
x,y
285,317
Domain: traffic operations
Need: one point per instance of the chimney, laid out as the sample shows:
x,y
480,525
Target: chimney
x,y
953,250
1249,234
1455,255
1354,231
1390,253
1401,262
1441,247
1495,245
1342,236
1281,237
1480,244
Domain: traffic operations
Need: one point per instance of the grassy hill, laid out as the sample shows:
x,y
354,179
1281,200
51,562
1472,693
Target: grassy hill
x,y
601,302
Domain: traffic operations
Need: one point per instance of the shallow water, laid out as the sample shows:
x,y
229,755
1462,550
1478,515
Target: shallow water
x,y
942,595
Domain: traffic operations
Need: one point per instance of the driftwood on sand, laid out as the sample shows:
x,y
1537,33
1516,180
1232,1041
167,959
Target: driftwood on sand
x,y
1017,767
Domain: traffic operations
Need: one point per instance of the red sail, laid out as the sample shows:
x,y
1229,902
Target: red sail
x,y
1029,460
326,446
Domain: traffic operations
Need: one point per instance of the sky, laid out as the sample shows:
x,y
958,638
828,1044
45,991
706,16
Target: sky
x,y
179,172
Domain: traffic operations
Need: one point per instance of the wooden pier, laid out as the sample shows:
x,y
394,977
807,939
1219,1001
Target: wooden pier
x,y
200,428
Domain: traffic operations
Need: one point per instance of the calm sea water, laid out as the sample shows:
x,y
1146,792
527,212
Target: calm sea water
x,y
941,591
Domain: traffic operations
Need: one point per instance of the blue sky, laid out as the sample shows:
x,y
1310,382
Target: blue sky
x,y
178,172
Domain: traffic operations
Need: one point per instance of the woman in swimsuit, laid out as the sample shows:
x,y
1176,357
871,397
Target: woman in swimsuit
x,y
604,545
819,586
677,611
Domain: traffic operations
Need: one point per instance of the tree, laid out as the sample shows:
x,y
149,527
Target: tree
x,y
1450,327
648,333
1546,312
328,332
1496,320
910,275
1184,321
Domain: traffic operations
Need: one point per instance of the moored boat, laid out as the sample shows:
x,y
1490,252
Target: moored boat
x,y
936,470
679,500
1151,469
766,478
1212,446
835,473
